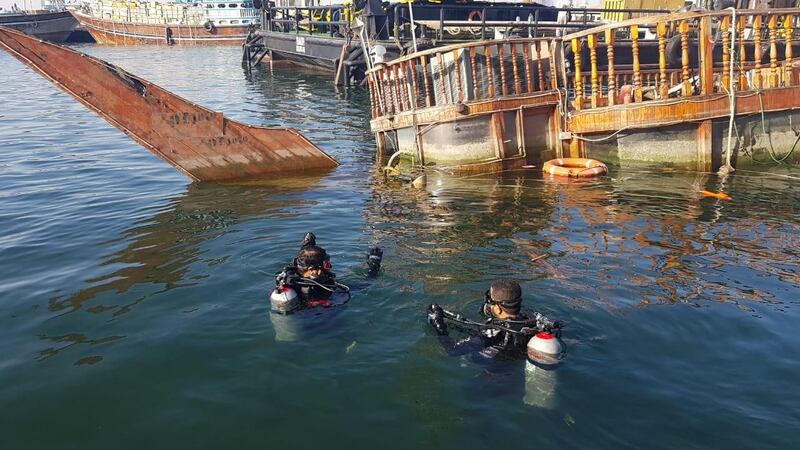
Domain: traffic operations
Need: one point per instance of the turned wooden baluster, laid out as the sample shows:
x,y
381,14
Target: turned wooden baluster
x,y
612,82
772,25
500,58
687,84
576,47
757,53
415,88
661,31
457,67
526,55
399,84
387,88
372,100
539,67
424,61
741,24
442,80
514,69
591,41
476,92
637,75
787,57
726,53
489,70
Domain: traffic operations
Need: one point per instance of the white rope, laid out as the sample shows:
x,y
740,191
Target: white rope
x,y
728,168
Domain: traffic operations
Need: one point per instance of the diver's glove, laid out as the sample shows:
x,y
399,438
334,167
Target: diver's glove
x,y
309,240
286,278
436,319
374,258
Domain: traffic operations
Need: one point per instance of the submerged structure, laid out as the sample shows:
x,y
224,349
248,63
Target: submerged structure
x,y
202,144
201,22
696,90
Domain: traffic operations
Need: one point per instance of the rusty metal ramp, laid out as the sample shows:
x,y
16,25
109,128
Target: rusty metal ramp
x,y
199,142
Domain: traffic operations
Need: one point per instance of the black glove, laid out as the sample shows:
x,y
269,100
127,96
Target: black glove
x,y
436,319
309,240
374,258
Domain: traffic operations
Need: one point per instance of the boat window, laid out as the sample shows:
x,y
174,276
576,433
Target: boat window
x,y
232,5
220,5
209,5
223,22
234,22
245,21
247,5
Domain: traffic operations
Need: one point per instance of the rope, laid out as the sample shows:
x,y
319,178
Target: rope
x,y
728,168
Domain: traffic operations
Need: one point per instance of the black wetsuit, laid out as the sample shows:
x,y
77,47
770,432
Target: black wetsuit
x,y
306,289
492,343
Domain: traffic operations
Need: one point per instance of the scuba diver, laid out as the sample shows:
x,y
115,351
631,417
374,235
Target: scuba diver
x,y
309,281
508,334
504,334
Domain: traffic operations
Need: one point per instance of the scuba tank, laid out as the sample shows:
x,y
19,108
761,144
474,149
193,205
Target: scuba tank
x,y
545,352
284,299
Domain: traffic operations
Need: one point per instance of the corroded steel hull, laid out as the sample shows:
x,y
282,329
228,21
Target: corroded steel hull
x,y
130,33
200,143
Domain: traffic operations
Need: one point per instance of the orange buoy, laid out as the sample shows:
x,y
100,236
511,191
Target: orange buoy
x,y
574,167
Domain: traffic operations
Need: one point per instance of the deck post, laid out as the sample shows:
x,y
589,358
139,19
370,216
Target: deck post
x,y
787,61
592,43
612,82
706,64
661,31
637,75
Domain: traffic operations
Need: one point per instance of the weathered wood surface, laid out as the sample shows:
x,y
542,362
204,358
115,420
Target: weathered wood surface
x,y
201,143
449,113
670,112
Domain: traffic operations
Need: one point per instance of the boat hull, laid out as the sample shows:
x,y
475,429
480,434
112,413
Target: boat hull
x,y
53,27
201,143
112,32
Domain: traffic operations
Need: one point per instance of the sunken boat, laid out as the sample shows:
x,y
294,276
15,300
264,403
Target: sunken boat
x,y
202,144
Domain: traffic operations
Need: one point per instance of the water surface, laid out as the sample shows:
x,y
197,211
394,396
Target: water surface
x,y
133,305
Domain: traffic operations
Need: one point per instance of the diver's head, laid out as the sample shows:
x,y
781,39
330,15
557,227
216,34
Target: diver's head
x,y
313,261
504,299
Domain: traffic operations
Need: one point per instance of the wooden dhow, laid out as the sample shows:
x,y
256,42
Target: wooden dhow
x,y
200,143
198,23
697,90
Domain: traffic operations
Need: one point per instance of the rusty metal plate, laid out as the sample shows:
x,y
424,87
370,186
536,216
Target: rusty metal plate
x,y
199,142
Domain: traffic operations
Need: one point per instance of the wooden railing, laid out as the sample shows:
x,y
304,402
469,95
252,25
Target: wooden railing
x,y
681,55
461,73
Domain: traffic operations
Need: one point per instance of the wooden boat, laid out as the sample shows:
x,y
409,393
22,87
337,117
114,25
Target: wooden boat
x,y
696,90
199,23
53,26
200,143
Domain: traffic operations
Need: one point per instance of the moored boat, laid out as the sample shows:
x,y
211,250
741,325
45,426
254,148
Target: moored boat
x,y
53,26
700,90
170,23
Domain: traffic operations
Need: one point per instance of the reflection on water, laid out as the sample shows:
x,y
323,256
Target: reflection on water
x,y
159,250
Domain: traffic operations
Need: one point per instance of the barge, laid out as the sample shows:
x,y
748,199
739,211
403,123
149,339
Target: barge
x,y
330,37
696,90
53,26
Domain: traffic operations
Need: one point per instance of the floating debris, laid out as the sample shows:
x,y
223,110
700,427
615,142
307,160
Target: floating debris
x,y
719,195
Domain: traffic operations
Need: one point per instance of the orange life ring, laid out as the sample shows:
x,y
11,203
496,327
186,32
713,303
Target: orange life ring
x,y
574,167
